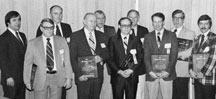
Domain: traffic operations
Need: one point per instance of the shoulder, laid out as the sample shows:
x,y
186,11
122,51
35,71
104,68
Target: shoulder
x,y
141,27
64,24
109,27
78,32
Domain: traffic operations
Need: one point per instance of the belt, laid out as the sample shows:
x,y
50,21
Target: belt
x,y
51,72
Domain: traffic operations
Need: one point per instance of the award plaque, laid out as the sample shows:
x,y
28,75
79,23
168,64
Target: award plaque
x,y
127,63
199,60
88,66
184,44
159,62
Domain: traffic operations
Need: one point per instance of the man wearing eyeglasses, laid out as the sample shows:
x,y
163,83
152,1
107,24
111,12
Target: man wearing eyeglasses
x,y
51,55
180,84
123,47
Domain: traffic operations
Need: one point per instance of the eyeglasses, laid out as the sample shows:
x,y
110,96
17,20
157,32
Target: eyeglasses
x,y
125,26
48,28
177,18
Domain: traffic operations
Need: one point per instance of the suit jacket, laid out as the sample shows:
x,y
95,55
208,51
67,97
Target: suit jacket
x,y
209,68
66,30
141,32
79,47
35,54
12,53
151,48
182,66
117,55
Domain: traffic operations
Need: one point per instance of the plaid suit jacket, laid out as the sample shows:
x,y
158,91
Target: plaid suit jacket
x,y
208,69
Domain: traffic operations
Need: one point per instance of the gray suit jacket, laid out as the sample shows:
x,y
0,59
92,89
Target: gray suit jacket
x,y
35,54
151,48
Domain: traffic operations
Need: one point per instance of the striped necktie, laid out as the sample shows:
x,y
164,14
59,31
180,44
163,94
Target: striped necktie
x,y
49,55
125,43
92,43
19,39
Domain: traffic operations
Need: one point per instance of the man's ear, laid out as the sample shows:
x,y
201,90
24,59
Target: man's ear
x,y
41,28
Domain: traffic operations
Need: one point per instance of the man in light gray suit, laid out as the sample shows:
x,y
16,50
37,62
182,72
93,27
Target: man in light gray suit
x,y
180,85
51,55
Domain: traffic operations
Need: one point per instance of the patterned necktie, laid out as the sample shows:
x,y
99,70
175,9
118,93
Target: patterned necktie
x,y
92,43
202,39
49,55
58,31
17,36
158,39
125,43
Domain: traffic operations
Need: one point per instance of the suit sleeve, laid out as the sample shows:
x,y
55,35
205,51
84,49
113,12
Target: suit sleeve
x,y
147,55
68,67
74,57
173,54
111,61
28,62
210,64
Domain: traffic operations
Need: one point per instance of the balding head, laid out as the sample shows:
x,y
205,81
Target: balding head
x,y
89,21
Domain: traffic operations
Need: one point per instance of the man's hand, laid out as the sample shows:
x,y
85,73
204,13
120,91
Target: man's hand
x,y
153,75
10,81
68,83
122,73
28,86
83,78
128,72
164,74
192,73
200,75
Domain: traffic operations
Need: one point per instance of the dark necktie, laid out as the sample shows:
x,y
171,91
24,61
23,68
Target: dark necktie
x,y
92,43
133,32
19,39
202,39
175,30
49,55
158,39
125,43
58,31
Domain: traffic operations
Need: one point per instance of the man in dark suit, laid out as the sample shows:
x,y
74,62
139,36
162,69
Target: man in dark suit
x,y
108,31
160,42
140,32
205,80
88,42
12,51
61,29
122,45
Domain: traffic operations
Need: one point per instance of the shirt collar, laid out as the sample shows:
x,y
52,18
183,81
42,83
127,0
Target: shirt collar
x,y
161,32
12,31
206,33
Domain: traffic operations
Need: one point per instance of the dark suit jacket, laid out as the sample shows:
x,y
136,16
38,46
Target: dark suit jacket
x,y
66,29
117,55
12,53
79,47
141,32
151,48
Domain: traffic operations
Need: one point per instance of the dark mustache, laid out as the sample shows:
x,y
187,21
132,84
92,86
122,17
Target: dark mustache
x,y
203,28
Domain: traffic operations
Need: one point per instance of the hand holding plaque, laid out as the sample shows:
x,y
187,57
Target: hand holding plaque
x,y
159,63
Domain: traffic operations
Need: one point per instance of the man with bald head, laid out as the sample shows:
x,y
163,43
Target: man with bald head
x,y
60,28
88,42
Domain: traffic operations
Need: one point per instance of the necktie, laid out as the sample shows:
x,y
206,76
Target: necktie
x,y
17,35
58,31
175,31
49,55
133,32
158,39
125,43
92,43
202,39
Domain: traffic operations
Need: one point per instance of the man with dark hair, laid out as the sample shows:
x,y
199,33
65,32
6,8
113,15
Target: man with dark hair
x,y
124,78
12,51
180,84
204,43
160,42
140,32
88,42
51,55
61,29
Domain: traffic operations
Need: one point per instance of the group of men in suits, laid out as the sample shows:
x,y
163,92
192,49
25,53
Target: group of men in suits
x,y
127,55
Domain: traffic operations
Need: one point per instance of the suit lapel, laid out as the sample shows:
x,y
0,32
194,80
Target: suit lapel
x,y
14,38
56,50
130,43
40,46
164,38
206,43
120,43
84,42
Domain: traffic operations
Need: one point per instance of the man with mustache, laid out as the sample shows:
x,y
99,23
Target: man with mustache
x,y
204,43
